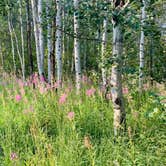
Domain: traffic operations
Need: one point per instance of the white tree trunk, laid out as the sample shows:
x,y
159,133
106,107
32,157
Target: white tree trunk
x,y
77,46
141,52
116,82
59,39
12,42
119,121
22,39
36,34
49,39
40,22
19,54
17,45
63,29
103,50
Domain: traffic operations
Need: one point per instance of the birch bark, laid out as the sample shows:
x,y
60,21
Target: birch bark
x,y
103,50
22,40
116,80
40,22
36,34
77,46
49,41
141,51
12,43
59,39
119,121
18,52
53,58
12,31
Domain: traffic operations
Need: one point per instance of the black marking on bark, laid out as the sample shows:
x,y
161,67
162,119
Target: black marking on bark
x,y
118,101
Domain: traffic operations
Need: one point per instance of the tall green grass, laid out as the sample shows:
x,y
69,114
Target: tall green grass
x,y
37,130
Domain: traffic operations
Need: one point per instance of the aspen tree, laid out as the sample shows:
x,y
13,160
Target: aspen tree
x,y
103,49
36,34
59,40
12,42
22,39
141,51
40,22
49,41
77,46
116,73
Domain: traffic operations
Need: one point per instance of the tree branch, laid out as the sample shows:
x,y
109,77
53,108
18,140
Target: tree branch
x,y
126,4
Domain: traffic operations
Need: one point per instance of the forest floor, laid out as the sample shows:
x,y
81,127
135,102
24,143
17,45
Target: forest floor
x,y
44,127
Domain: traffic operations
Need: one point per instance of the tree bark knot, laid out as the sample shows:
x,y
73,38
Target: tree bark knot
x,y
118,101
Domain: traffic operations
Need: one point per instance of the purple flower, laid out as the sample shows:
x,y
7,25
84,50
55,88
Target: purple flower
x,y
20,83
13,156
84,78
42,90
62,98
42,79
70,115
90,92
18,97
125,90
30,110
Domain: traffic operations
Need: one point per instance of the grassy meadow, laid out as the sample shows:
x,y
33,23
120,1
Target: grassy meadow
x,y
53,126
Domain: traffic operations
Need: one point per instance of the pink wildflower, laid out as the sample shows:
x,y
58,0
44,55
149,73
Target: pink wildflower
x,y
84,78
70,115
13,156
18,98
145,86
34,78
22,91
103,89
48,86
42,79
35,81
125,90
30,110
56,85
26,83
90,92
42,90
20,83
59,82
62,98
68,89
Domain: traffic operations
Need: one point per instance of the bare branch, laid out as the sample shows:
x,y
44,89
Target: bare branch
x,y
122,5
126,4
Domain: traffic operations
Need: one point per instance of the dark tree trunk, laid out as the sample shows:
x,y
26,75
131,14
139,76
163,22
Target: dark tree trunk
x,y
29,41
151,62
53,49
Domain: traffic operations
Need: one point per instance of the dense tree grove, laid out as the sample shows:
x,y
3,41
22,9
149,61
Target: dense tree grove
x,y
17,17
113,45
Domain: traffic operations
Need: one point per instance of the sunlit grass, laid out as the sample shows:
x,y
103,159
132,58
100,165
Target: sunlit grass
x,y
36,127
